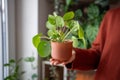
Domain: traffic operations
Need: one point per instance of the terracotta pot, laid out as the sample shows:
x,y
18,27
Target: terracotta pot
x,y
61,50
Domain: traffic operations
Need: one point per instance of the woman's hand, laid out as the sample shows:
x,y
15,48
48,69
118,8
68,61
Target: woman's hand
x,y
56,62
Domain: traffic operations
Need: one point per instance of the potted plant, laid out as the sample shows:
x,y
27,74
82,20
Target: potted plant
x,y
60,36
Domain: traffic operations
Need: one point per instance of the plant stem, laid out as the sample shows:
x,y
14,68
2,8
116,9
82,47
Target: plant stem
x,y
64,34
84,42
63,29
44,37
67,34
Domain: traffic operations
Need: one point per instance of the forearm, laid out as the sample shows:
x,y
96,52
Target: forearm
x,y
85,59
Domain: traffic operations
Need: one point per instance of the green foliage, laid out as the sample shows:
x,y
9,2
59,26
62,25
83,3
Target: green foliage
x,y
91,32
93,11
92,23
44,48
36,40
78,14
103,3
72,74
88,18
34,76
31,60
60,29
14,69
68,16
89,23
68,2
15,73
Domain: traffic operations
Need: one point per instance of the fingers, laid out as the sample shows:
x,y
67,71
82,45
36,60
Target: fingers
x,y
54,61
57,62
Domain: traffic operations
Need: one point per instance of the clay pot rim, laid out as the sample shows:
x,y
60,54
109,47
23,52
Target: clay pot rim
x,y
66,41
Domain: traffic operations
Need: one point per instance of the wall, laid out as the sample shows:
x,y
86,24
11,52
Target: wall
x,y
45,7
26,27
11,24
30,19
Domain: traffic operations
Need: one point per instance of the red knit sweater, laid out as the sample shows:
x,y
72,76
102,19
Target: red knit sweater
x,y
105,52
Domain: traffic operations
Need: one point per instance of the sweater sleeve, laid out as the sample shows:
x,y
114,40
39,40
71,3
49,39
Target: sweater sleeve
x,y
87,59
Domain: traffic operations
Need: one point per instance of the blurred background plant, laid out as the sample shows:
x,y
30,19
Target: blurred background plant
x,y
71,74
14,69
30,60
89,13
14,72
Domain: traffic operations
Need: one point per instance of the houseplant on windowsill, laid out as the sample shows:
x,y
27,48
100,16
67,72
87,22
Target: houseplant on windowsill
x,y
61,31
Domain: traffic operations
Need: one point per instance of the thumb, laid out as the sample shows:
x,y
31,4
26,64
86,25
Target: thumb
x,y
71,59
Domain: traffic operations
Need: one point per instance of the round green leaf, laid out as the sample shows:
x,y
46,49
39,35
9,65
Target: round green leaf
x,y
73,24
78,14
59,21
36,40
51,19
93,11
70,24
44,49
68,15
50,26
50,32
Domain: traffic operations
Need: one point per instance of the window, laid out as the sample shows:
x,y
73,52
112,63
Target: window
x,y
3,38
1,54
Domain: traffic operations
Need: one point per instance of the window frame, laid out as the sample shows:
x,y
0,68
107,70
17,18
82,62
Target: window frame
x,y
4,56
